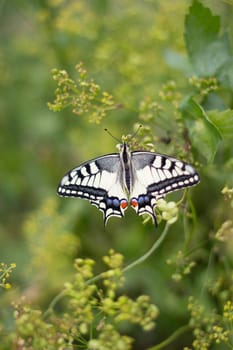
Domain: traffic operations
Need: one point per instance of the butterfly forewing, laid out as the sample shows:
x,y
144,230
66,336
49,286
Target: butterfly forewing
x,y
100,182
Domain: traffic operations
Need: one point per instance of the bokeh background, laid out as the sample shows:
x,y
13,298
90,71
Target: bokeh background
x,y
131,49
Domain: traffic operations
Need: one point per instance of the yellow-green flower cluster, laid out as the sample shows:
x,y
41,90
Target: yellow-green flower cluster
x,y
228,312
201,341
82,95
94,311
204,85
81,295
110,338
228,193
123,308
139,311
113,277
225,232
170,93
5,272
219,334
32,332
149,109
169,211
183,265
210,327
145,139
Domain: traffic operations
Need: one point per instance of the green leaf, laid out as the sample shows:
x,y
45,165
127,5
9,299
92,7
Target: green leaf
x,y
223,121
203,133
177,61
207,51
225,74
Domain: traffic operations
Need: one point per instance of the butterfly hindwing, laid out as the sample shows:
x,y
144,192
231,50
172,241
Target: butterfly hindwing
x,y
155,175
100,182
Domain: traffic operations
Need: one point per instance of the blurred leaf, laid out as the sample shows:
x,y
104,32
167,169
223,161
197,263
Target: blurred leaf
x,y
207,51
176,60
225,74
203,133
223,121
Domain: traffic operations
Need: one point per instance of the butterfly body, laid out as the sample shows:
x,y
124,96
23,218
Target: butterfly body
x,y
139,178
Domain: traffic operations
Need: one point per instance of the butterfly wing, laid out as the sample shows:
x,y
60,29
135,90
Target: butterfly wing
x,y
153,176
100,182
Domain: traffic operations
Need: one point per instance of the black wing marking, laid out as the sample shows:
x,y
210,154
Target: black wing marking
x,y
153,176
98,181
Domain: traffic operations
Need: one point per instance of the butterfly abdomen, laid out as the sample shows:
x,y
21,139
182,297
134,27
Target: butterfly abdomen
x,y
126,163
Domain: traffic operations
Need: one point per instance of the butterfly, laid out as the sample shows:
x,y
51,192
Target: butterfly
x,y
143,177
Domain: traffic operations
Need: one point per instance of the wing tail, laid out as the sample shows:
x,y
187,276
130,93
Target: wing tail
x,y
144,204
111,206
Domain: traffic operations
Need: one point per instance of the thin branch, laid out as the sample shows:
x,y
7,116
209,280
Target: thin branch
x,y
171,338
150,251
53,303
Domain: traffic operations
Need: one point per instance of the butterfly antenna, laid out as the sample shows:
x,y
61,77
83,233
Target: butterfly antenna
x,y
109,133
136,132
115,138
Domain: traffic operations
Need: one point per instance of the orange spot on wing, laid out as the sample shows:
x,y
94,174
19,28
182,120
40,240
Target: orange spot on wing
x,y
134,202
124,204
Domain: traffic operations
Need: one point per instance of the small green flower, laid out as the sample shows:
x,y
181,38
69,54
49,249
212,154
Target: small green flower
x,y
114,260
219,335
225,232
228,311
169,210
5,272
204,85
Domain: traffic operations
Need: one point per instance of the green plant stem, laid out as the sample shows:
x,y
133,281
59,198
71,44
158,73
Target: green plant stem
x,y
150,251
171,338
139,260
53,303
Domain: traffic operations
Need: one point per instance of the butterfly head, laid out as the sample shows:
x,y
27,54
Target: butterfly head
x,y
122,146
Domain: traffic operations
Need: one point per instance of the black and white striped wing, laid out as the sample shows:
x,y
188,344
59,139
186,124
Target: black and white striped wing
x,y
100,182
153,176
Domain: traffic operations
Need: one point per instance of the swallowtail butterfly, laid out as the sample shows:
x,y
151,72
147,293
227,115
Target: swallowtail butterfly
x,y
143,177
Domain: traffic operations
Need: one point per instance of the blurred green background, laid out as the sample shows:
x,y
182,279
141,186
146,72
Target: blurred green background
x,y
131,49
